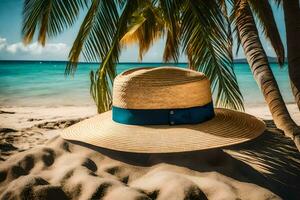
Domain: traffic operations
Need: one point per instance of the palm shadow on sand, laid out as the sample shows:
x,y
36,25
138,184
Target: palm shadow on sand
x,y
270,161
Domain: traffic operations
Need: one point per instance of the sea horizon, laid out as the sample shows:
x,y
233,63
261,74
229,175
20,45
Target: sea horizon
x,y
44,83
165,137
272,60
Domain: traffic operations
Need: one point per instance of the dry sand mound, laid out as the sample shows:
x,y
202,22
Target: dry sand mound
x,y
259,169
13,141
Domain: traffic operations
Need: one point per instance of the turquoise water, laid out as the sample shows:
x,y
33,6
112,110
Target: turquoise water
x,y
44,83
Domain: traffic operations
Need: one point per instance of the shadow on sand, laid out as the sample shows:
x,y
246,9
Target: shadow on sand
x,y
270,161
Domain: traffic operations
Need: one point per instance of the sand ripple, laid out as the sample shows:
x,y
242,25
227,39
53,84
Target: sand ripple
x,y
64,170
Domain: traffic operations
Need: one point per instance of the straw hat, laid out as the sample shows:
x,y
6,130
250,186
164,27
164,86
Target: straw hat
x,y
165,109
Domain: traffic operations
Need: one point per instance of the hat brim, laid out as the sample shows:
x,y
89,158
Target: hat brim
x,y
228,127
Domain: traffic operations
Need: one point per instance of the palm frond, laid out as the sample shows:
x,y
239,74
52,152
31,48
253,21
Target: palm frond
x,y
107,72
96,33
171,15
49,17
234,30
278,2
238,39
223,6
205,40
263,11
144,28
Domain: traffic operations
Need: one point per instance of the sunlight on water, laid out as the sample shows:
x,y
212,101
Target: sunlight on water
x,y
44,83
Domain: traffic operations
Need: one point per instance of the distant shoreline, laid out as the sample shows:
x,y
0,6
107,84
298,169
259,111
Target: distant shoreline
x,y
44,82
272,60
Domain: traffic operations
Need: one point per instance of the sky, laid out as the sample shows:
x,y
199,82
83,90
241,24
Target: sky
x,y
12,48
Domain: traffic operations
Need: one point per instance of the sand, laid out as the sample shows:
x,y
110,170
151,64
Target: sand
x,y
35,163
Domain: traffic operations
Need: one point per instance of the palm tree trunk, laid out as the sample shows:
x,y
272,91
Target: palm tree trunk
x,y
292,23
257,59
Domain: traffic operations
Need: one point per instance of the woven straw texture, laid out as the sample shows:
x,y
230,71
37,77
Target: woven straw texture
x,y
161,88
164,88
226,128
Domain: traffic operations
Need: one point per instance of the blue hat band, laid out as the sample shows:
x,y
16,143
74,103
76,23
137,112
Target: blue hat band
x,y
193,115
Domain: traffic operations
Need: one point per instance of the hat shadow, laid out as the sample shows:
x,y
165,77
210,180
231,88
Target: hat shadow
x,y
270,161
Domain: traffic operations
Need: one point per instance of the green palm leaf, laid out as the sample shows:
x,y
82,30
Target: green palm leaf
x,y
96,33
171,15
200,25
102,80
49,17
144,28
205,41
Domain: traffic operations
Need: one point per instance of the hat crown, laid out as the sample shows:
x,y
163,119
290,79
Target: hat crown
x,y
161,88
149,103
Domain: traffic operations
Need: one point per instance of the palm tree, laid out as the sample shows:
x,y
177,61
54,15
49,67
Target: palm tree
x,y
178,20
292,23
199,27
257,59
196,26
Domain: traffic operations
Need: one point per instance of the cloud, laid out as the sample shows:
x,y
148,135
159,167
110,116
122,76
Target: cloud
x,y
37,49
33,50
2,43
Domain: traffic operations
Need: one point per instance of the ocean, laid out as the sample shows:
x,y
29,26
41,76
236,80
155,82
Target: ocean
x,y
37,83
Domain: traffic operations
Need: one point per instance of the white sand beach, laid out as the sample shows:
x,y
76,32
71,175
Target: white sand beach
x,y
37,163
162,66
